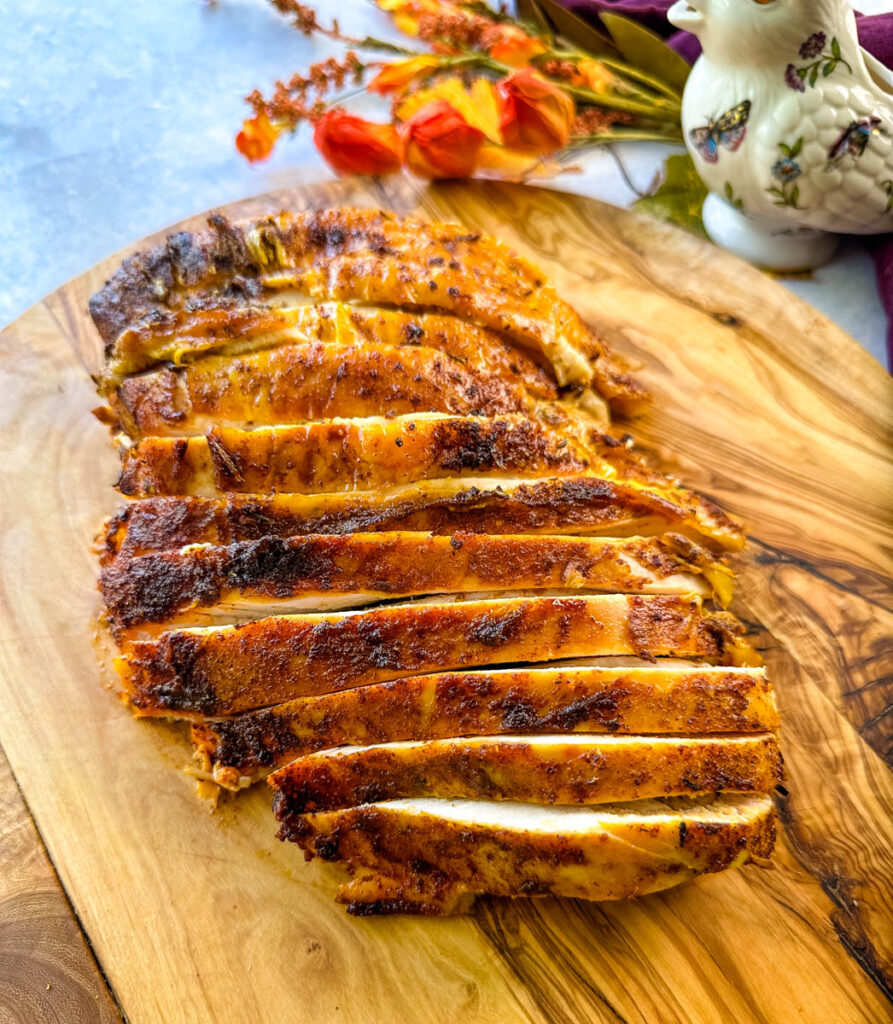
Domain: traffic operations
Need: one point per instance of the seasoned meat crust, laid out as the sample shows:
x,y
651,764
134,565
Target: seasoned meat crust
x,y
531,692
348,455
423,854
370,256
228,669
364,568
581,505
184,337
537,769
587,699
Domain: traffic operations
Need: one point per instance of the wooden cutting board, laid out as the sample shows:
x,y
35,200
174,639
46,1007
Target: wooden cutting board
x,y
760,403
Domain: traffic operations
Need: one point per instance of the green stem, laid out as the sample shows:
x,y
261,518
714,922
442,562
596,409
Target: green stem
x,y
620,67
654,109
621,135
641,76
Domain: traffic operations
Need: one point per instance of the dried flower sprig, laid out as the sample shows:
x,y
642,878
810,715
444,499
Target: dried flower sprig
x,y
491,95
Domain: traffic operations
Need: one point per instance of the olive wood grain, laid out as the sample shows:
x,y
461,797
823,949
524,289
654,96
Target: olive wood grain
x,y
759,402
46,970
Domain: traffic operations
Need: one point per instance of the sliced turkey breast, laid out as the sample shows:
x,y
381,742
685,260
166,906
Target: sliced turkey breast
x,y
227,669
370,256
536,768
429,855
591,698
352,455
181,336
270,576
581,505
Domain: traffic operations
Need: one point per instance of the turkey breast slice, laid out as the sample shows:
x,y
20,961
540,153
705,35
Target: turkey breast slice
x,y
227,669
585,505
429,855
595,697
536,768
204,583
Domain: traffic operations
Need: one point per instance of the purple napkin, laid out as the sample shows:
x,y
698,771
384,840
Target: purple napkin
x,y
875,35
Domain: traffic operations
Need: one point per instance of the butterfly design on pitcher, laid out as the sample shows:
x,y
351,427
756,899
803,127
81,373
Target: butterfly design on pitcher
x,y
853,140
728,131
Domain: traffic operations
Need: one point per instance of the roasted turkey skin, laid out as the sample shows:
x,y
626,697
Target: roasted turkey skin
x,y
586,506
421,856
586,698
228,669
368,256
536,768
272,575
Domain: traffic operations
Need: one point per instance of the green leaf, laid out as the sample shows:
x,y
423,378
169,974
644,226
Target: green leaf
x,y
572,27
795,149
775,192
795,195
785,148
679,197
802,72
828,68
531,12
728,190
645,49
813,75
835,47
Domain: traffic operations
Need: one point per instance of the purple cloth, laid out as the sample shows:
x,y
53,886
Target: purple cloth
x,y
875,31
875,35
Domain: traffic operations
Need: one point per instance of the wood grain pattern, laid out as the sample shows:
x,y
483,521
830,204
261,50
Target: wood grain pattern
x,y
767,408
47,971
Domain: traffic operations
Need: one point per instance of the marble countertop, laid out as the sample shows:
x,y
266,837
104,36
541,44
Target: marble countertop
x,y
118,119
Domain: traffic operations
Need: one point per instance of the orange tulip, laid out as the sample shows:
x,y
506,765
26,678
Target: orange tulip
x,y
439,143
536,114
514,47
354,146
396,77
257,138
594,75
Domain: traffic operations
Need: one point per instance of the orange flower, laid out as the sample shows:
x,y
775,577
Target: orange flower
x,y
514,47
396,77
408,13
354,146
536,114
257,138
594,75
439,143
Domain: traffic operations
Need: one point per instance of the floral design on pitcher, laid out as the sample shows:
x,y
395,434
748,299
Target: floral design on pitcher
x,y
785,171
824,64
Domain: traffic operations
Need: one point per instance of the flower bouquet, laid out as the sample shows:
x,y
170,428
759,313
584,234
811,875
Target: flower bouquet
x,y
479,93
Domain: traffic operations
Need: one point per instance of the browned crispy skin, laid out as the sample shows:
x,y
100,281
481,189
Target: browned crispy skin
x,y
570,699
185,335
441,853
582,505
534,769
297,383
347,455
376,566
225,670
370,256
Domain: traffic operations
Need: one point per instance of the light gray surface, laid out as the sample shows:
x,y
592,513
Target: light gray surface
x,y
117,118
